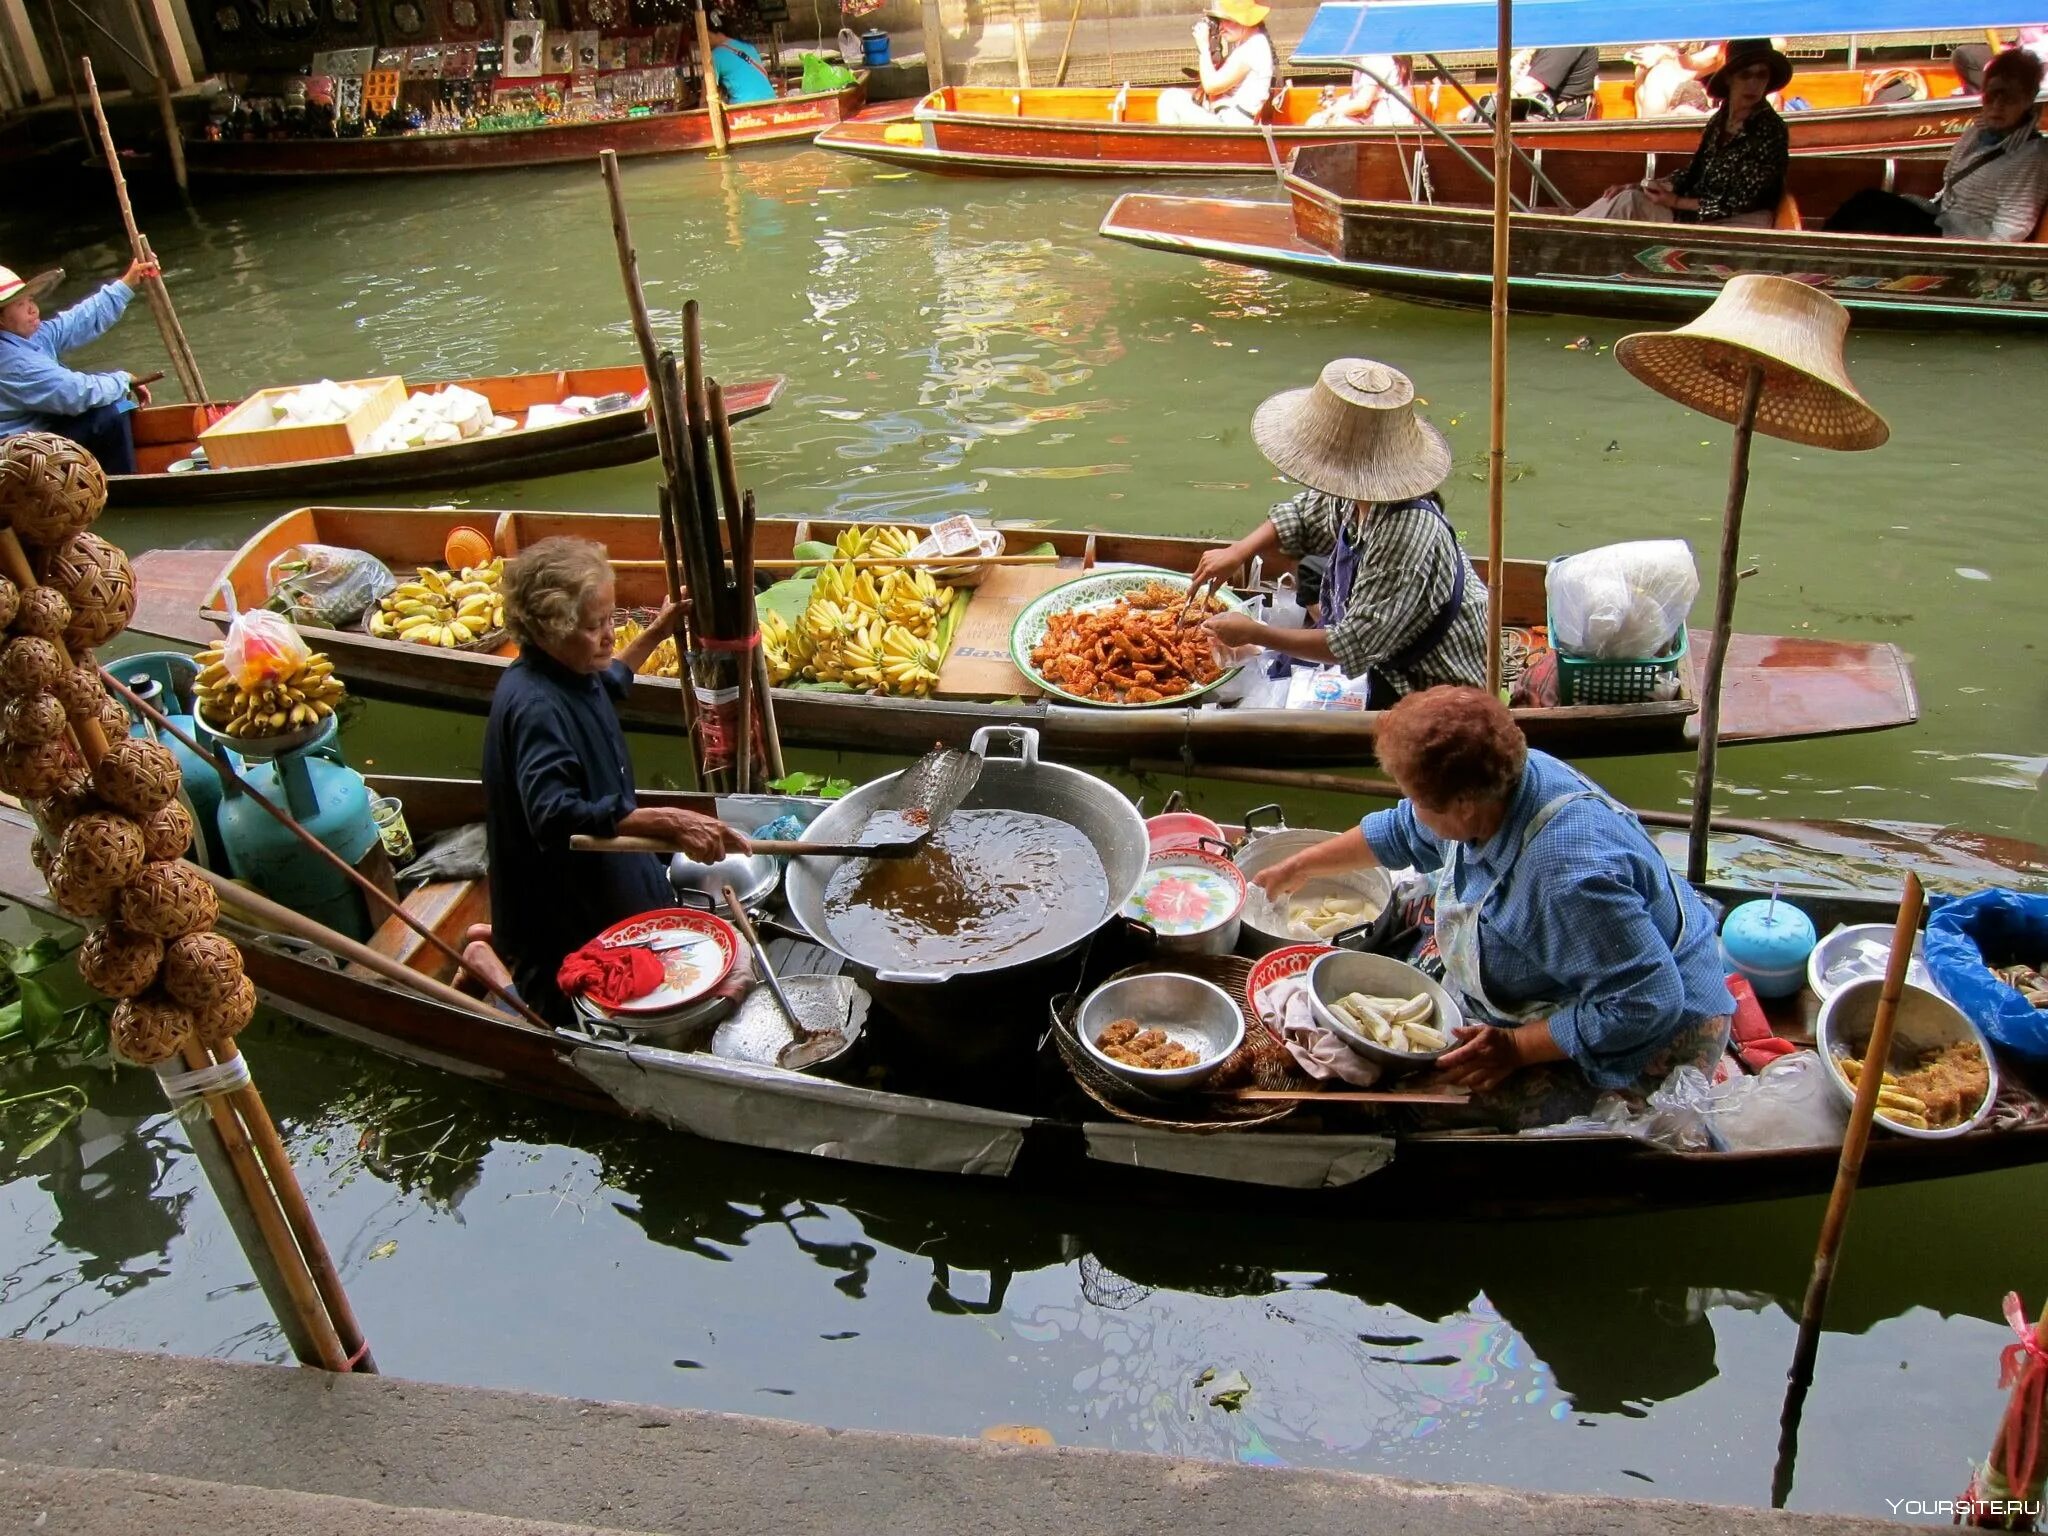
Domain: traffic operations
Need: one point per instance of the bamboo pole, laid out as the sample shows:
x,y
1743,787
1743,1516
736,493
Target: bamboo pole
x,y
764,694
1017,38
1848,1173
1724,623
1059,75
70,78
143,14
1497,394
183,363
710,81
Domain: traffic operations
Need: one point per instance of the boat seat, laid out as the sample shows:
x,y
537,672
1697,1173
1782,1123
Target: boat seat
x,y
445,907
1787,216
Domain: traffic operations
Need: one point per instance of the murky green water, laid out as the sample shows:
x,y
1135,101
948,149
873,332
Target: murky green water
x,y
973,346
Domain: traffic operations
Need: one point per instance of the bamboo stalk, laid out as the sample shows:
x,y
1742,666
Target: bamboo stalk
x,y
636,305
697,409
750,621
720,427
1059,75
150,26
710,81
1497,389
771,733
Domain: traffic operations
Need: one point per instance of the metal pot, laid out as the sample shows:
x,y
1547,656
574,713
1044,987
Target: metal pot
x,y
1260,931
1208,870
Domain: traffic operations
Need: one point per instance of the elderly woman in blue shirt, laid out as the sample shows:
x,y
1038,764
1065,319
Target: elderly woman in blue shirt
x,y
39,394
1592,966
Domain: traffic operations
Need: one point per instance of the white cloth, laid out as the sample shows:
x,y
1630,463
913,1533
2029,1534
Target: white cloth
x,y
1178,108
1316,1050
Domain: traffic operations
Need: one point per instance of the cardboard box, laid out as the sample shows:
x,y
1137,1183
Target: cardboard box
x,y
246,436
979,666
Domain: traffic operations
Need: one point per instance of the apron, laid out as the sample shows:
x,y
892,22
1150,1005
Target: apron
x,y
1336,593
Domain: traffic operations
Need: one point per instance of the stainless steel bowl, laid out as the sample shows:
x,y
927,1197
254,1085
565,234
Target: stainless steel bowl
x,y
1188,1010
1925,1021
753,877
1341,973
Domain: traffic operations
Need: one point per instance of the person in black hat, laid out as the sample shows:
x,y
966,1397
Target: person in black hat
x,y
1737,175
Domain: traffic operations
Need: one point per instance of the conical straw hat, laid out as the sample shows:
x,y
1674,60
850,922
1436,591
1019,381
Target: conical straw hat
x,y
1353,433
1795,331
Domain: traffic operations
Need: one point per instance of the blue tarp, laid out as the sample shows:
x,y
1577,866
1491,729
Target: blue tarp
x,y
1343,30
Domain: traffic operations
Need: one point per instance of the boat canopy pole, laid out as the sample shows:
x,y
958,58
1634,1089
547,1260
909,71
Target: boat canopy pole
x,y
1497,400
1521,154
1434,127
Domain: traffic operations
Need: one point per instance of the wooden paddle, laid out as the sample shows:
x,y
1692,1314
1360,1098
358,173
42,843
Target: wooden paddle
x,y
882,848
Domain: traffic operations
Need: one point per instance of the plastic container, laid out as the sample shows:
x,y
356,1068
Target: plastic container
x,y
874,48
387,814
1768,942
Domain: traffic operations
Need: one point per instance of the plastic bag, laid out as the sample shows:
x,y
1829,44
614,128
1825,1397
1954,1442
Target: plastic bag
x,y
821,74
324,585
262,647
1623,602
1969,935
1790,1103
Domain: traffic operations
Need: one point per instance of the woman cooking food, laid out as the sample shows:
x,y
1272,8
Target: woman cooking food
x,y
1400,602
1557,920
555,765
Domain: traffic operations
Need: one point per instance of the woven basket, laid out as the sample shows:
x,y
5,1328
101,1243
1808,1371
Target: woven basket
x,y
168,833
100,848
35,769
117,963
49,487
83,902
80,690
485,644
10,599
43,612
149,1029
202,969
32,719
137,776
168,901
94,576
29,665
222,1021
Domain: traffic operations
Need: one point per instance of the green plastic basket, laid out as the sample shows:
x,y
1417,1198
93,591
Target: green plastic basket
x,y
1582,680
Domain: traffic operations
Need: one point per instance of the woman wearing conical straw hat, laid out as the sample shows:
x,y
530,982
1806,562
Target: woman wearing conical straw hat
x,y
1400,602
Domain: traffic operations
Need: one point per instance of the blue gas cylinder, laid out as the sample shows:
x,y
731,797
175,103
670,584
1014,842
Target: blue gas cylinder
x,y
164,678
330,800
1768,942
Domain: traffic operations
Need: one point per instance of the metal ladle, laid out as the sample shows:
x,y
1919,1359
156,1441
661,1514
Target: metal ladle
x,y
807,1046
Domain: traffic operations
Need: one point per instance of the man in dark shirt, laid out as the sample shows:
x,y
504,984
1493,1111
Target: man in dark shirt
x,y
555,765
1565,79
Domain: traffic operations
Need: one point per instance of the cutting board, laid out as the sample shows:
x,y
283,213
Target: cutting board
x,y
978,666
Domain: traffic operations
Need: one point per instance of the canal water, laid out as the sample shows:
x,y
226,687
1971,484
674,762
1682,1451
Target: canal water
x,y
973,346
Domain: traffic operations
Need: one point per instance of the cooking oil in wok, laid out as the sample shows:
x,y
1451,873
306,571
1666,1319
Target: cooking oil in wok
x,y
986,885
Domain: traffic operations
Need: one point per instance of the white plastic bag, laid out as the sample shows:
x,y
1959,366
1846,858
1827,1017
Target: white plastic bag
x,y
262,647
1623,602
1788,1104
326,585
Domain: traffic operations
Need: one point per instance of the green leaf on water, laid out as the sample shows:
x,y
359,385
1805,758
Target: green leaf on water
x,y
385,1249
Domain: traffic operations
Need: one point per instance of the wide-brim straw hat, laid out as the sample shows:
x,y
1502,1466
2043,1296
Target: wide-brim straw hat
x,y
13,286
1354,433
1246,13
1742,53
1795,331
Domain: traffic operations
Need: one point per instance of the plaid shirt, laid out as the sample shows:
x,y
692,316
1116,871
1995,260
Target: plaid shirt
x,y
1405,576
1586,917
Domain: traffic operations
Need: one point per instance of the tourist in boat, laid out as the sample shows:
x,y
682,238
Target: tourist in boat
x,y
1666,85
1369,104
1587,965
1970,60
39,394
555,765
1556,83
1995,185
742,78
1737,175
1401,605
1234,59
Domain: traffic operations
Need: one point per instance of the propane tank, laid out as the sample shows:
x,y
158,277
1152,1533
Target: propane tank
x,y
330,800
164,679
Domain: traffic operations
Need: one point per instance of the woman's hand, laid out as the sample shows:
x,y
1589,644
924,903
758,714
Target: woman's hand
x,y
1485,1056
1282,880
1234,629
139,391
702,839
138,270
635,652
1216,567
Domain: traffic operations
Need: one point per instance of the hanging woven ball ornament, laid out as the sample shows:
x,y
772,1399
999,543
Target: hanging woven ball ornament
x,y
80,691
49,487
202,969
33,718
113,717
42,855
72,798
137,776
222,1021
10,599
149,1029
168,901
168,833
42,612
33,769
29,664
117,963
100,848
94,576
82,901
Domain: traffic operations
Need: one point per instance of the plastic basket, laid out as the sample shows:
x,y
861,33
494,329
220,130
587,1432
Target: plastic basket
x,y
1584,680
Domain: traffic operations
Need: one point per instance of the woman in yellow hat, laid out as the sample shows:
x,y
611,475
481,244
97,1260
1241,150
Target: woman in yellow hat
x,y
1234,57
39,394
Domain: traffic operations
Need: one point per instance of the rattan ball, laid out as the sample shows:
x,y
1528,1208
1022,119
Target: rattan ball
x,y
149,1029
117,963
42,855
49,486
29,664
137,776
94,576
33,769
113,717
10,599
43,612
72,798
80,691
81,901
100,848
168,833
168,901
201,969
219,1022
32,718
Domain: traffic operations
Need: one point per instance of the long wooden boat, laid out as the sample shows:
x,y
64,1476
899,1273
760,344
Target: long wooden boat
x,y
1350,219
166,434
1776,688
1034,1132
784,120
1096,131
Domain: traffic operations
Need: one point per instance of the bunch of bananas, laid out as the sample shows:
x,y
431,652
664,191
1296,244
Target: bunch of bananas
x,y
442,607
885,543
307,696
662,663
867,628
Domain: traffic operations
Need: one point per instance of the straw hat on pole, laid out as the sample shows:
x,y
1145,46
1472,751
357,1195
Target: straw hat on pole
x,y
1353,433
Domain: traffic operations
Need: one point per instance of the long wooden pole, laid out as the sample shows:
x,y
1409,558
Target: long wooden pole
x,y
1017,38
1848,1173
1724,623
150,26
710,81
764,695
70,78
1497,396
1059,75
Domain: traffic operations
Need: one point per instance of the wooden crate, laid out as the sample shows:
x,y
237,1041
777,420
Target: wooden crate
x,y
245,438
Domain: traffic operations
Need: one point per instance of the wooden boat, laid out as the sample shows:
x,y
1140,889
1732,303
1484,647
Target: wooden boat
x,y
786,119
1094,131
166,434
1351,219
1037,1132
1777,688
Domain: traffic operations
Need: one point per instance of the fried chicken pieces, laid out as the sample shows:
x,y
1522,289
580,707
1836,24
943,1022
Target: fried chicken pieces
x,y
1137,651
1129,1042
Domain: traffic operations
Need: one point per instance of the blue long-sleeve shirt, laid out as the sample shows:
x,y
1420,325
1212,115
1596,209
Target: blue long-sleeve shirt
x,y
1587,918
35,387
555,765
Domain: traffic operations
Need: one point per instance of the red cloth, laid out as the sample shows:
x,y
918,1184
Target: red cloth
x,y
609,977
1750,1032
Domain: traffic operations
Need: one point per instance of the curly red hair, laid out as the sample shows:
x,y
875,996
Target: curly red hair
x,y
1449,744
